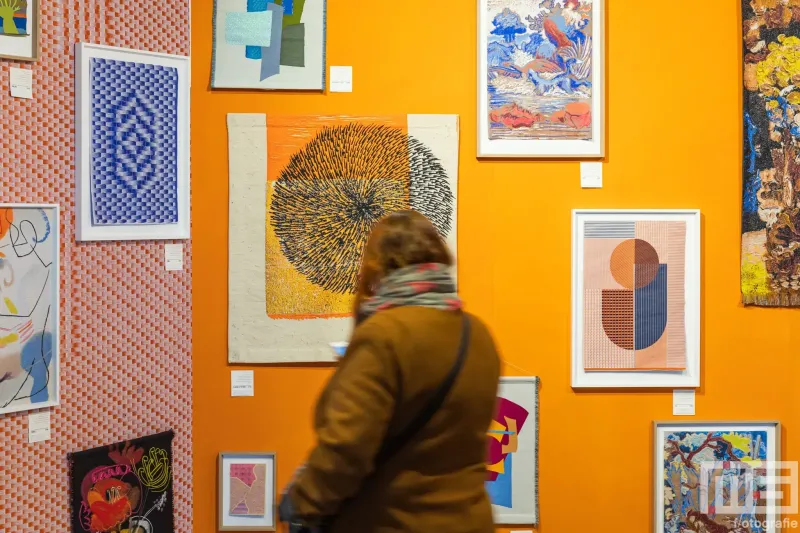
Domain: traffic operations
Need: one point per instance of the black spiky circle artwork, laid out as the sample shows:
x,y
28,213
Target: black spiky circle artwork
x,y
332,192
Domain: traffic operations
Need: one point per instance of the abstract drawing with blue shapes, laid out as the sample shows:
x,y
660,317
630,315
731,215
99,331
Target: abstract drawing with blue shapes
x,y
29,303
134,177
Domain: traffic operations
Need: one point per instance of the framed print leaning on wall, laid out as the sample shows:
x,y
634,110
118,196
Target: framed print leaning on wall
x,y
132,149
700,465
246,491
540,78
636,298
19,29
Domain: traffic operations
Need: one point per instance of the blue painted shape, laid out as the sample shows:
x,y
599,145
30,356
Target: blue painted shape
x,y
35,358
288,7
253,29
752,180
254,52
271,55
257,5
134,153
650,310
499,490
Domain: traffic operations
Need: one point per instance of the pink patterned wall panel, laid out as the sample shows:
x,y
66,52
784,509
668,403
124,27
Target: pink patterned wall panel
x,y
126,330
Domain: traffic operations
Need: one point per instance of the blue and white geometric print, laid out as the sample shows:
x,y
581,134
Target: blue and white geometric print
x,y
134,175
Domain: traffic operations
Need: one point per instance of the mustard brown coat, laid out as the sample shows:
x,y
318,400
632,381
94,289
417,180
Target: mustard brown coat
x,y
395,362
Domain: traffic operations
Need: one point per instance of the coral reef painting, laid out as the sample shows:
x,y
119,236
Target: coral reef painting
x,y
539,84
770,260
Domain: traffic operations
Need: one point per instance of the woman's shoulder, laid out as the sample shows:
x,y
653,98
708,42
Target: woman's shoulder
x,y
404,322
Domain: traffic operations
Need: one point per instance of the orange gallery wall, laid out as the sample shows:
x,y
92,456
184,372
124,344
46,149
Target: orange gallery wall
x,y
673,131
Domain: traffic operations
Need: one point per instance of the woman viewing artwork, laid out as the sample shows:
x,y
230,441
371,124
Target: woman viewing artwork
x,y
401,426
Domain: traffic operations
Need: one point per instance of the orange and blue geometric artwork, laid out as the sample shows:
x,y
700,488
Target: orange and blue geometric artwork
x,y
634,295
503,444
770,262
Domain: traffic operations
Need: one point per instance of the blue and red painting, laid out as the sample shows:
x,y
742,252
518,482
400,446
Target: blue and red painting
x,y
540,69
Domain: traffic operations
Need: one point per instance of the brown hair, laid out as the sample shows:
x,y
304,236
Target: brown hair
x,y
399,240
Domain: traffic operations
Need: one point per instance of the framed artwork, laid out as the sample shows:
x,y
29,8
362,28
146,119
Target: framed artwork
x,y
699,465
541,86
513,458
266,44
19,29
301,210
636,298
29,307
770,264
132,147
246,491
123,487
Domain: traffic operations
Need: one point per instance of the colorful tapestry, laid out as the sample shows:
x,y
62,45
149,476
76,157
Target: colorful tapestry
x,y
124,488
269,44
248,489
634,295
770,259
29,304
512,463
302,208
694,500
541,84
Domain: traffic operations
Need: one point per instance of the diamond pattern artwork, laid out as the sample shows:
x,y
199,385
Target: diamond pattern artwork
x,y
125,323
134,116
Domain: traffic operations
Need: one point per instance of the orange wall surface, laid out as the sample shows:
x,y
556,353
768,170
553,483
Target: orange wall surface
x,y
673,80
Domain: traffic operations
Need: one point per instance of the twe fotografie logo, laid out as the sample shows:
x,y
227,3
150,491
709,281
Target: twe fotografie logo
x,y
761,491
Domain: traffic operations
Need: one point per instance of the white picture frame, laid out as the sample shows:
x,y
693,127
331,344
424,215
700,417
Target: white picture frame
x,y
86,229
228,522
521,490
17,323
773,453
540,148
686,378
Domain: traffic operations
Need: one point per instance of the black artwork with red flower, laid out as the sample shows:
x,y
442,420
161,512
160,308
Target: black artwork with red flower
x,y
124,487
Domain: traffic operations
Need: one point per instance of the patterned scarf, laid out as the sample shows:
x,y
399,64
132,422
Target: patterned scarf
x,y
425,285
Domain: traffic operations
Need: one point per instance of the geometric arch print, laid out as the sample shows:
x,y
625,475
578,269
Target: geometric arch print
x,y
634,291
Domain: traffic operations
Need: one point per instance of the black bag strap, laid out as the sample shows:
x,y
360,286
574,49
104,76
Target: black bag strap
x,y
393,445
